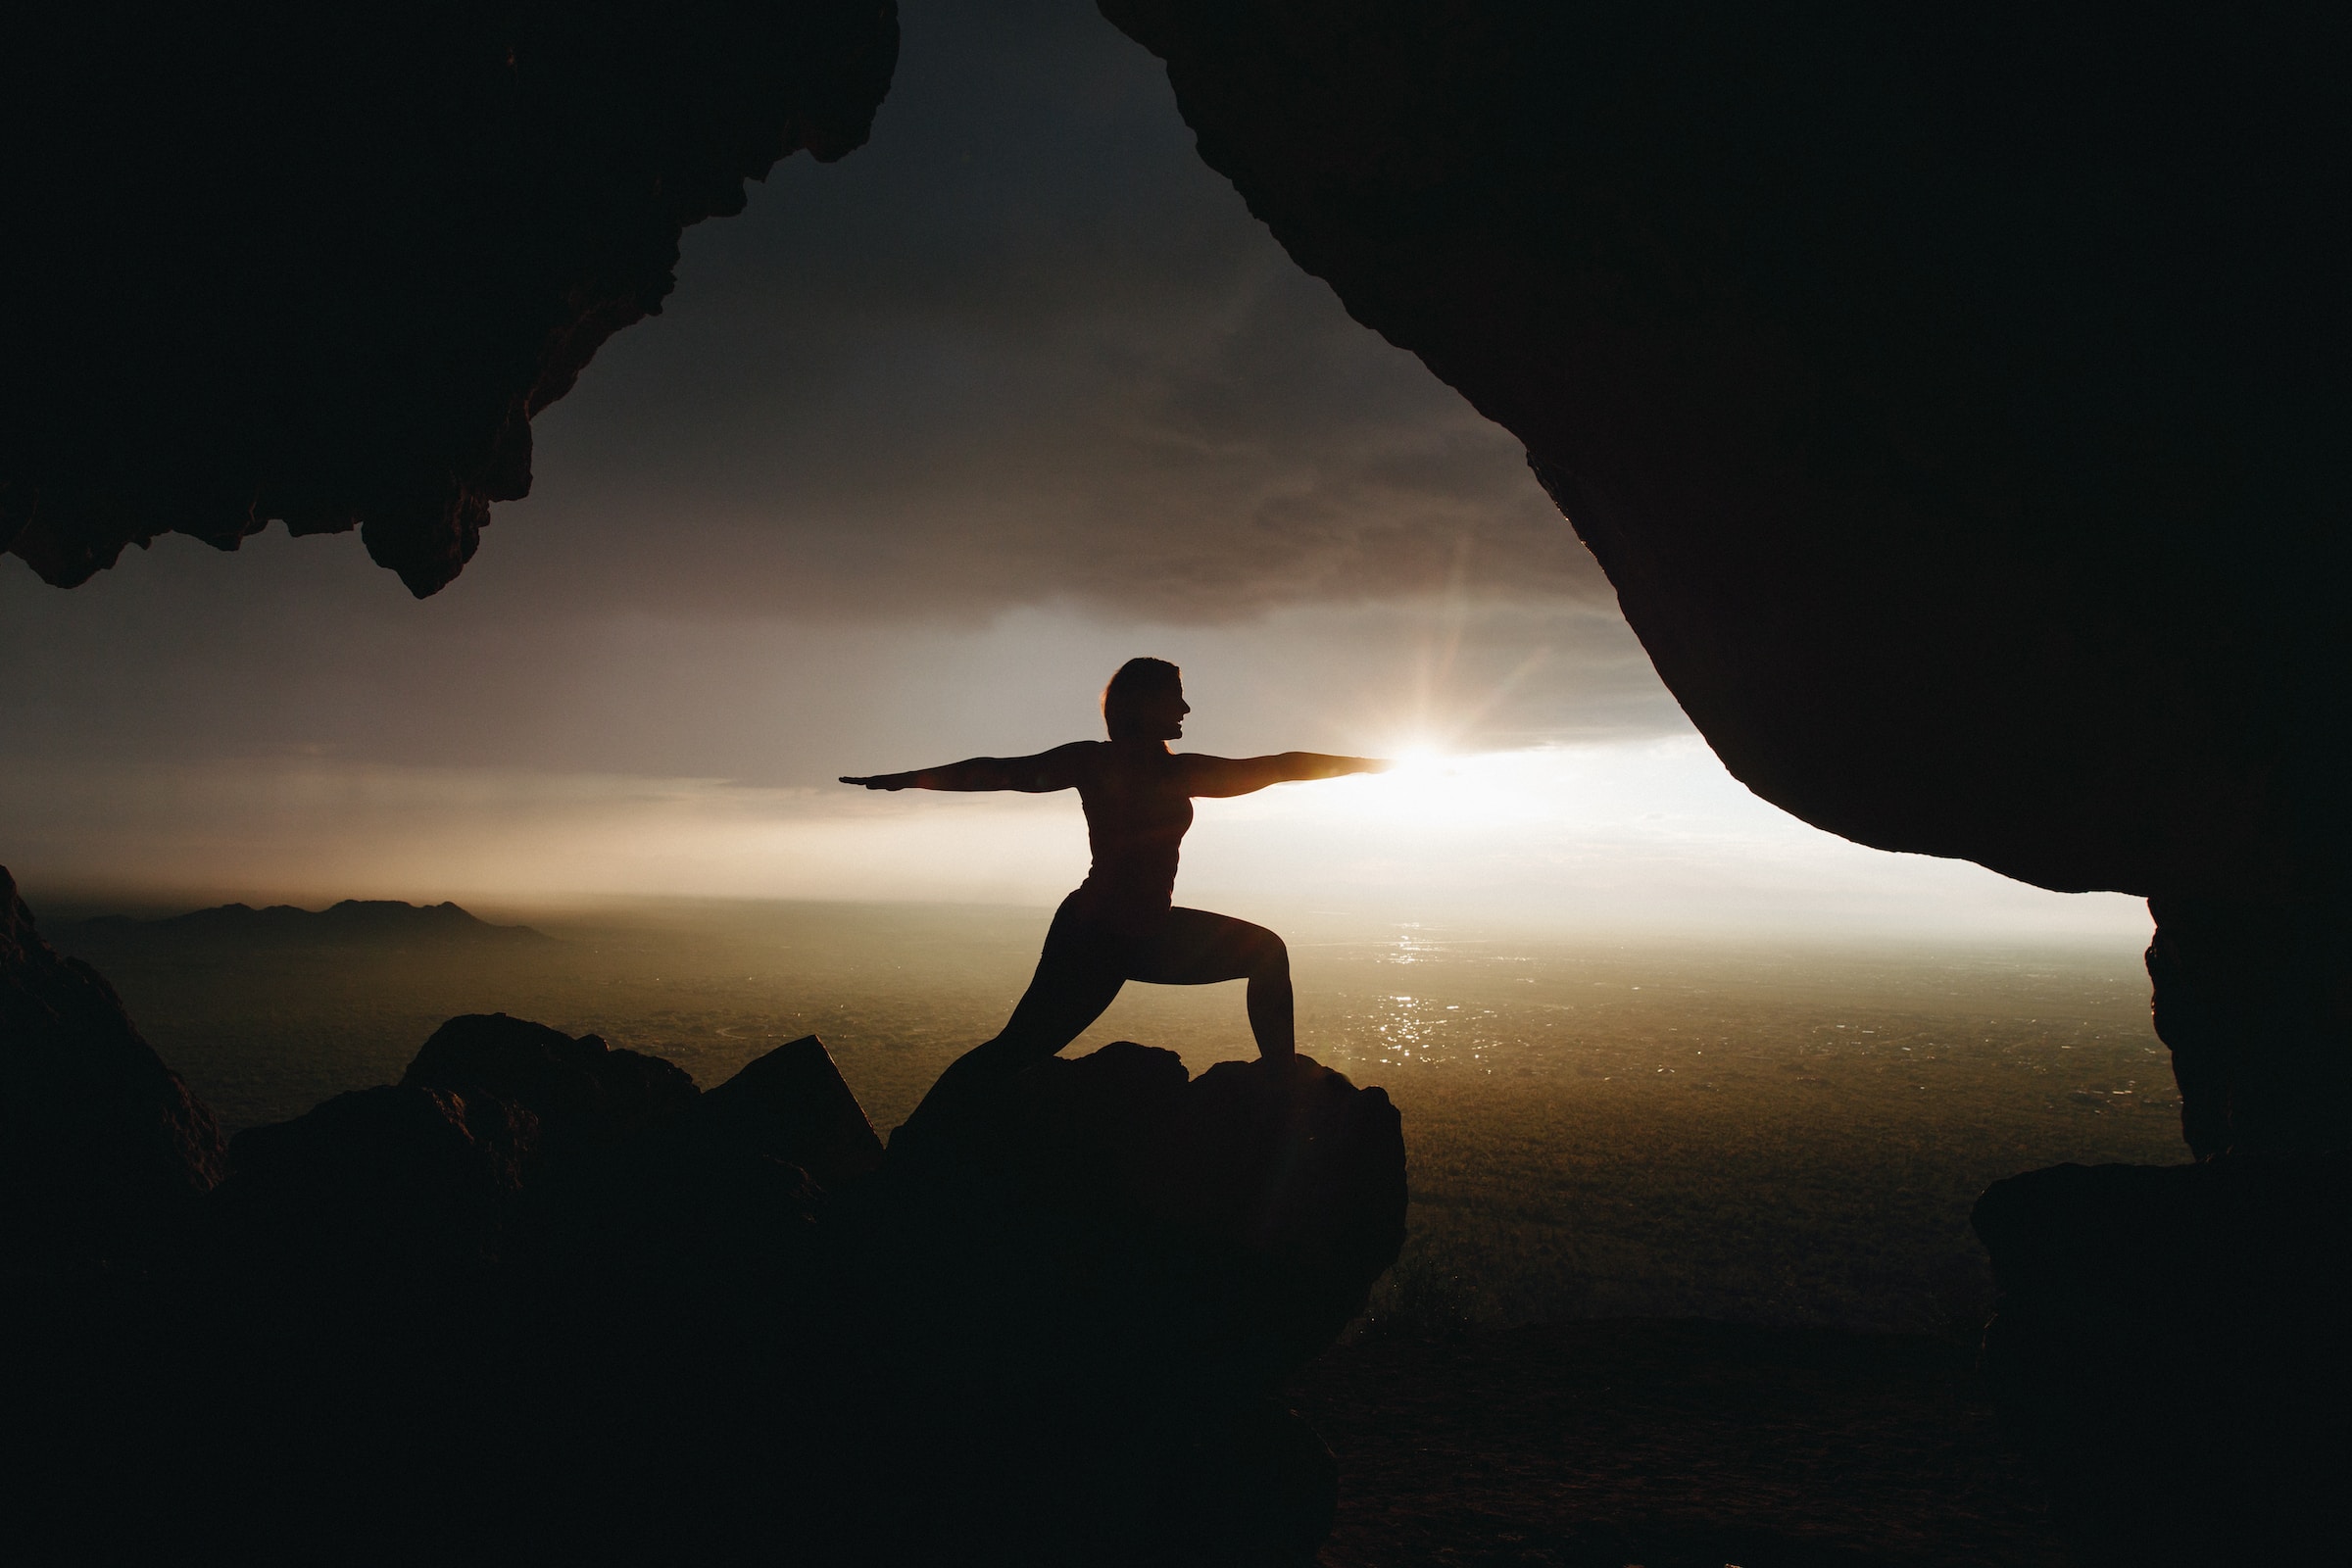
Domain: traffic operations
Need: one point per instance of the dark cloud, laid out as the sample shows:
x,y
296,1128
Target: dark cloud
x,y
1023,346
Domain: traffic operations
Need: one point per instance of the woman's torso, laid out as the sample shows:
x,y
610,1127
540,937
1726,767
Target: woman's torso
x,y
1137,812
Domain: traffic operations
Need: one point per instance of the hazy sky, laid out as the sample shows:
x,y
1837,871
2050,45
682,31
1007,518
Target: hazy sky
x,y
926,442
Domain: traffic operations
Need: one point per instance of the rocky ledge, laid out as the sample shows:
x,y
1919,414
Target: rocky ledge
x,y
2168,1344
544,1298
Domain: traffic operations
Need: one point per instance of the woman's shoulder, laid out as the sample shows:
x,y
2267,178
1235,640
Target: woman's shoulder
x,y
1114,763
1083,758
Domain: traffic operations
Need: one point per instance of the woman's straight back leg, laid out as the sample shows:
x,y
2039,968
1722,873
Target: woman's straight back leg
x,y
1078,976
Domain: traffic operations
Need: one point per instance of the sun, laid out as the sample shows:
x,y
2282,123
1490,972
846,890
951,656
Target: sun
x,y
1426,787
1415,757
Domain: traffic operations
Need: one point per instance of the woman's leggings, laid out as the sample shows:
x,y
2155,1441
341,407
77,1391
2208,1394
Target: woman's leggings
x,y
1087,960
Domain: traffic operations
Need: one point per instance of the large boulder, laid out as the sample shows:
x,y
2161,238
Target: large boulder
x,y
586,1096
2169,1342
693,1333
709,1214
1110,1247
392,1189
1280,1185
1296,1169
104,1151
793,1107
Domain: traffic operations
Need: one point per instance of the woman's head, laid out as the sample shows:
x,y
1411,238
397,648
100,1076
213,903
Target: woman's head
x,y
1145,702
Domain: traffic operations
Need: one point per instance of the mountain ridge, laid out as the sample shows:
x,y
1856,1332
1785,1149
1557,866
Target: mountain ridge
x,y
345,921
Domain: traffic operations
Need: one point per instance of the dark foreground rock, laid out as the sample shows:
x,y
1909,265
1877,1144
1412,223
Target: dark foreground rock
x,y
592,1312
1113,1249
2170,1342
589,1097
374,1192
1672,1444
104,1152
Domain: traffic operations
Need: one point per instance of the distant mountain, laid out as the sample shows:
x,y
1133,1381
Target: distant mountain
x,y
354,922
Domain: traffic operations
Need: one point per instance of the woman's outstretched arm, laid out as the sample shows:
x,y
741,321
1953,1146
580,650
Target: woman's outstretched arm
x,y
1241,775
1047,771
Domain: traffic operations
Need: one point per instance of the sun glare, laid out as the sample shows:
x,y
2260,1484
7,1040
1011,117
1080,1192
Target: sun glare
x,y
1429,787
1417,757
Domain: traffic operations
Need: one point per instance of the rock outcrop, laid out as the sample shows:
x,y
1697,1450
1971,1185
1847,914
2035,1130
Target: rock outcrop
x,y
384,1201
1112,1248
594,1313
104,1152
2170,1344
324,264
587,1098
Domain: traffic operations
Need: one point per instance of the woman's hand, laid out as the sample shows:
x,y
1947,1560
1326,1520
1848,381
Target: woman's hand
x,y
884,781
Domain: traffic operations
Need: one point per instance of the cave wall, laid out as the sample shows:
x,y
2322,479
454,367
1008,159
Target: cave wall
x,y
104,1150
323,264
1953,395
1953,399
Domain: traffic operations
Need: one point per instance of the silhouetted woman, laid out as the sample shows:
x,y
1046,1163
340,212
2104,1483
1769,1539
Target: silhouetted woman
x,y
1121,924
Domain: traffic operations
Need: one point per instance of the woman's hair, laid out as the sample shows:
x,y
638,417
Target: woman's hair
x,y
1137,679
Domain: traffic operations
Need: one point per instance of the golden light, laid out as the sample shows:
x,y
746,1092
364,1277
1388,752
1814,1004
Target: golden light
x,y
1430,788
1415,757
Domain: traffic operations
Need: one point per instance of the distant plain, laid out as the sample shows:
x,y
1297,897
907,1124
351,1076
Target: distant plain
x,y
1775,1133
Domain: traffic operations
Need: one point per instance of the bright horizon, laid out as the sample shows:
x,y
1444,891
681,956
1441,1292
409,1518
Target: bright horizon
x,y
1646,836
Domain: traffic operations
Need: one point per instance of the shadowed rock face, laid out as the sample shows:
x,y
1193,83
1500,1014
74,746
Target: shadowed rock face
x,y
2169,1342
325,262
1953,396
1285,1187
374,1202
1110,1247
592,1311
104,1152
588,1097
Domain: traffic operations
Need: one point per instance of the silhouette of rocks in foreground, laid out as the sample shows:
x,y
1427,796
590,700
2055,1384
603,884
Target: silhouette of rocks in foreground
x,y
562,1304
1783,308
2169,1342
103,1149
1674,1444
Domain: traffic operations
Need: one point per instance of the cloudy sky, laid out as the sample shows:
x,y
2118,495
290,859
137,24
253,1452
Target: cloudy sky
x,y
925,443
